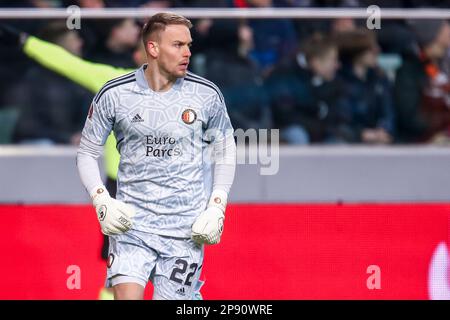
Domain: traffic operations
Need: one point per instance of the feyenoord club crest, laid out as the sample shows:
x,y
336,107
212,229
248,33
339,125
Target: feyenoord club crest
x,y
189,116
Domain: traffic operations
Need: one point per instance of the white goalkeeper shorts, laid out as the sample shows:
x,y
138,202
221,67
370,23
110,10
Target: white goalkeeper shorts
x,y
173,265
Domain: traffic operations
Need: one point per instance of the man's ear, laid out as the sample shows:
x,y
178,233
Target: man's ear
x,y
152,49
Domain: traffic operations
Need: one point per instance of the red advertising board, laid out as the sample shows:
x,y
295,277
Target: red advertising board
x,y
267,252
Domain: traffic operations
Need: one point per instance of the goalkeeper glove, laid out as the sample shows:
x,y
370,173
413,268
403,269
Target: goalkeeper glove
x,y
208,227
115,216
12,37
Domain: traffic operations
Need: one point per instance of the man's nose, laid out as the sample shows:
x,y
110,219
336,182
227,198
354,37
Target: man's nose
x,y
187,52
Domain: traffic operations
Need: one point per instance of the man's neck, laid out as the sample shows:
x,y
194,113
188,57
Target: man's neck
x,y
157,80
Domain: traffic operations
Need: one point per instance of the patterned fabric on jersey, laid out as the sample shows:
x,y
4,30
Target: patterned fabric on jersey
x,y
164,140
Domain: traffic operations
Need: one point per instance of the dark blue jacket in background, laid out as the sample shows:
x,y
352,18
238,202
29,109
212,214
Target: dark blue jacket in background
x,y
298,98
366,103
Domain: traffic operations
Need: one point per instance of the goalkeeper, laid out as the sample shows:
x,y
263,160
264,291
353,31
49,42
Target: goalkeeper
x,y
163,185
164,119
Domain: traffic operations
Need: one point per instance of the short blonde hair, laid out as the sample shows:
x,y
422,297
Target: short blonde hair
x,y
160,21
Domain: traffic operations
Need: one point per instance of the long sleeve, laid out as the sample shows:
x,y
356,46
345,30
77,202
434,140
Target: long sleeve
x,y
97,128
87,164
407,95
225,163
224,147
89,75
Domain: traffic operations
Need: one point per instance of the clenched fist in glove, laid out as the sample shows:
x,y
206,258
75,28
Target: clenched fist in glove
x,y
115,216
208,227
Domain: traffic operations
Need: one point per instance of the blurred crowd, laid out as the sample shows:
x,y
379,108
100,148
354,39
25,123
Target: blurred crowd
x,y
318,81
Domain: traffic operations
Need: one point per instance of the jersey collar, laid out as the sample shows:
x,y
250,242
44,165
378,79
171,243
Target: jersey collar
x,y
143,84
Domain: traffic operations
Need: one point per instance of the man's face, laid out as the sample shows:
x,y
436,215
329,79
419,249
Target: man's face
x,y
370,57
126,34
438,48
443,38
173,50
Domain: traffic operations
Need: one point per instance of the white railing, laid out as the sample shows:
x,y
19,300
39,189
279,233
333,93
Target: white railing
x,y
229,13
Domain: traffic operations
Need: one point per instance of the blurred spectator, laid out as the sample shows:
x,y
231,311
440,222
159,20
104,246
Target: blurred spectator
x,y
366,100
296,3
230,68
117,39
428,4
422,88
361,3
273,39
221,50
45,3
30,3
13,64
237,54
342,25
209,33
304,27
304,94
88,26
12,68
53,109
91,4
141,3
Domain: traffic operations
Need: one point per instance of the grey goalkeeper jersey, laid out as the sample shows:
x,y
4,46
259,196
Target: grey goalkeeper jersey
x,y
164,139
